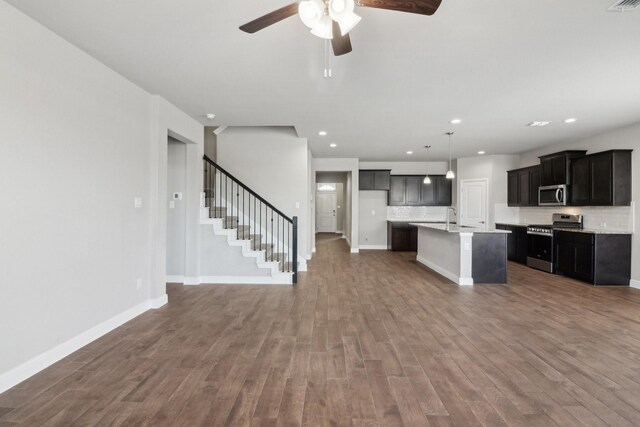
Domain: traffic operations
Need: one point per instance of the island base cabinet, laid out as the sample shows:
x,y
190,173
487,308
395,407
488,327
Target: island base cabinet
x,y
402,238
599,259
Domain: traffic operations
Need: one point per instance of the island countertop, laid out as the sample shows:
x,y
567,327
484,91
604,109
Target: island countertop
x,y
454,228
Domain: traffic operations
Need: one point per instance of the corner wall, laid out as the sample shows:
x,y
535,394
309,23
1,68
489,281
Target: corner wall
x,y
80,144
272,161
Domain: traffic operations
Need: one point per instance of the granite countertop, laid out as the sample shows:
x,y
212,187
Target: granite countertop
x,y
459,228
424,221
593,230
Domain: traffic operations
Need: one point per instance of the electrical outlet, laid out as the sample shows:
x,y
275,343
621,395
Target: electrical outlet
x,y
172,204
139,284
137,202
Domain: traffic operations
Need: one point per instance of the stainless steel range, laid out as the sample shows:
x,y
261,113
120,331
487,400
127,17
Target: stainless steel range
x,y
540,240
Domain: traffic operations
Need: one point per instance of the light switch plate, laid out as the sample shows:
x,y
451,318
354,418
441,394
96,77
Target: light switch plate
x,y
177,196
137,202
297,205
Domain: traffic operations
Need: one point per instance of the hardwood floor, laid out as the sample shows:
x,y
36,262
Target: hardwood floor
x,y
370,339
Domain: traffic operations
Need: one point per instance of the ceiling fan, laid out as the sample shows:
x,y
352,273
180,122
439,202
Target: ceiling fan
x,y
333,19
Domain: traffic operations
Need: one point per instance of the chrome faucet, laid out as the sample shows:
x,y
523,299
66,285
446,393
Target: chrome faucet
x,y
449,209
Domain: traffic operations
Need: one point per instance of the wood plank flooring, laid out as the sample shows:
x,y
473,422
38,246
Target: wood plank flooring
x,y
370,339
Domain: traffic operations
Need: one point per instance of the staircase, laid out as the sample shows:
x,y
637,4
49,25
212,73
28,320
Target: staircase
x,y
249,221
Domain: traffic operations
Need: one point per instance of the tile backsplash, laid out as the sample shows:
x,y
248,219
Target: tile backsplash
x,y
598,218
424,213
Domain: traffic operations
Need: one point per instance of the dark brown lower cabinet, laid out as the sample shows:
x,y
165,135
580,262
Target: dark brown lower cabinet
x,y
517,247
402,237
599,259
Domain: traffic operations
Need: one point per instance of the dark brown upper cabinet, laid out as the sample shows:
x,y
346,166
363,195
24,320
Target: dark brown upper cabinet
x,y
522,186
555,168
602,179
409,190
374,180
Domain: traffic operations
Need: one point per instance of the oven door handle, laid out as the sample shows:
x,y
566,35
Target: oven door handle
x,y
540,234
558,192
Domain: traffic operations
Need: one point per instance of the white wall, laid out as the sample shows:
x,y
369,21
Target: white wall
x,y
176,216
79,143
623,138
373,220
274,163
494,169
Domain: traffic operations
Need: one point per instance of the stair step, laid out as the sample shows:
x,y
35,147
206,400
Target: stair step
x,y
286,266
278,256
217,211
243,232
230,221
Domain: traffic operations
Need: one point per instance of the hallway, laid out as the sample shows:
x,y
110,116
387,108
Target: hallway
x,y
364,339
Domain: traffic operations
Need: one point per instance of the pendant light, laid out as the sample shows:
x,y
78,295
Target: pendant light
x,y
427,180
450,174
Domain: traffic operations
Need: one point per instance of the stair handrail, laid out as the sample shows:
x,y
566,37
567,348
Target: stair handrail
x,y
253,193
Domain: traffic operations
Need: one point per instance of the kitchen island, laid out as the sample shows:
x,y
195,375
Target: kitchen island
x,y
464,255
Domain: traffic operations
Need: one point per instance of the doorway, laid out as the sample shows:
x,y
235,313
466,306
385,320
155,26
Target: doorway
x,y
473,202
326,208
176,210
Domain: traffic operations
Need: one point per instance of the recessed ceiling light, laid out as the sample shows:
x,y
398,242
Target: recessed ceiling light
x,y
538,124
322,133
211,116
456,121
333,145
409,152
481,152
571,120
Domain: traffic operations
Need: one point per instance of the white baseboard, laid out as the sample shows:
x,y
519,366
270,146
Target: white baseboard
x,y
461,281
374,247
31,367
302,264
313,250
339,232
174,279
355,250
245,280
634,283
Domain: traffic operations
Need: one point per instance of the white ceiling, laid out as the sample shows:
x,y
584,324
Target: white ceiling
x,y
497,64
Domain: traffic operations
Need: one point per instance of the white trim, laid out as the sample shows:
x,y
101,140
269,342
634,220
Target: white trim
x,y
461,281
374,247
313,250
246,280
159,302
339,232
277,279
31,367
174,279
634,283
355,250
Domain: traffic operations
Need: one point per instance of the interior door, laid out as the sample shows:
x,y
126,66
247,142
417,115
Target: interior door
x,y
473,203
326,212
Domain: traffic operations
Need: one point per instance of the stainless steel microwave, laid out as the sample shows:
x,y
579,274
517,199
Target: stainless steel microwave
x,y
553,195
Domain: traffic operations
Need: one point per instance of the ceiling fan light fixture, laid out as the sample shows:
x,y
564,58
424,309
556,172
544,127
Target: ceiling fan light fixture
x,y
348,23
323,28
311,12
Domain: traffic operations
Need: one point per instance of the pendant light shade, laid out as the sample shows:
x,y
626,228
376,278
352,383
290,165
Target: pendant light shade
x,y
426,179
324,28
311,12
341,11
450,174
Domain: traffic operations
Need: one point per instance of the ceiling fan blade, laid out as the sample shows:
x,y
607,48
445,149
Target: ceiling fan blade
x,y
270,18
341,44
422,7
